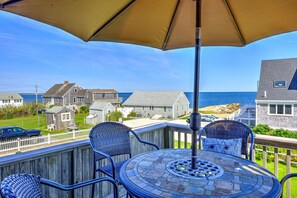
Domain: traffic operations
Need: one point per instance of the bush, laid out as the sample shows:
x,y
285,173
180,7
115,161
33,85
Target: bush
x,y
84,109
132,114
114,116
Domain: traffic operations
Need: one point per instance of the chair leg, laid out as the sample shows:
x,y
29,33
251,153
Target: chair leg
x,y
94,176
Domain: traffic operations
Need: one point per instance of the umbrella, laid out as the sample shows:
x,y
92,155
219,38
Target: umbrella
x,y
165,24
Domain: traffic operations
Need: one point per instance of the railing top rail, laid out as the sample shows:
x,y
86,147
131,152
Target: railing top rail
x,y
287,143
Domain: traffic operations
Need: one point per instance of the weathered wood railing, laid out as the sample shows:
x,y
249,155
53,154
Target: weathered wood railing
x,y
72,162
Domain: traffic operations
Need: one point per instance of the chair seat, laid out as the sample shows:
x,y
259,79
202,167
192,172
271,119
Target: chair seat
x,y
108,170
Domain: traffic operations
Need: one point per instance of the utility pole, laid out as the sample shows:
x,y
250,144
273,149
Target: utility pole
x,y
36,93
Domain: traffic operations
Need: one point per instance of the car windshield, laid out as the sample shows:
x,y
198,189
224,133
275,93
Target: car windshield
x,y
18,130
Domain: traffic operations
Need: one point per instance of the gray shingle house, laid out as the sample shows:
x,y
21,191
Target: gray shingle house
x,y
276,101
62,94
99,111
169,104
105,95
70,94
59,117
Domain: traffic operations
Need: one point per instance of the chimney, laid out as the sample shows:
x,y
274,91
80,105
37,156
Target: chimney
x,y
66,82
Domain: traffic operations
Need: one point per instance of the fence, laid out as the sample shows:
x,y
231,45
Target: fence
x,y
22,144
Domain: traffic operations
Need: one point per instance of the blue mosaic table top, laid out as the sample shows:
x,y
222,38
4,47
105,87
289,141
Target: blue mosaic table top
x,y
149,175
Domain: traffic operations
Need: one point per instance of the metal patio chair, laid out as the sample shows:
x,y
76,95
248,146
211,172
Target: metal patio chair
x,y
29,185
230,129
284,179
109,139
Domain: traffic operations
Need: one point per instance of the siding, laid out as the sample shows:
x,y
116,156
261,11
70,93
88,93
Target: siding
x,y
276,121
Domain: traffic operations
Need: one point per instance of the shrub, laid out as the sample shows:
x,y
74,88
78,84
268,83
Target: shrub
x,y
132,114
84,109
114,116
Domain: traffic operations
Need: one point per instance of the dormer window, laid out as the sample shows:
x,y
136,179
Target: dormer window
x,y
279,84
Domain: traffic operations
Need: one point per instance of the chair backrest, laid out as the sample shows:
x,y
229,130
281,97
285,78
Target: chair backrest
x,y
230,129
21,186
111,138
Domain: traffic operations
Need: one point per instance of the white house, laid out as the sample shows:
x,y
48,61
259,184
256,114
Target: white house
x,y
98,112
11,99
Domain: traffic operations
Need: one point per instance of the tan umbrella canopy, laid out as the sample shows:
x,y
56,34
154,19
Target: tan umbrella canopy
x,y
165,24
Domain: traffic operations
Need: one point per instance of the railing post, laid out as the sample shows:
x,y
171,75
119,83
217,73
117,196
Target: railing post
x,y
49,138
276,162
264,156
19,144
254,154
288,162
167,138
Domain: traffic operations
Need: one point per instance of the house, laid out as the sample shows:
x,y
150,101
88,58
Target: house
x,y
72,95
11,99
105,95
99,111
276,100
59,117
62,95
169,104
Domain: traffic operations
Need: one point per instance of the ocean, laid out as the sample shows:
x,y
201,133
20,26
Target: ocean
x,y
206,98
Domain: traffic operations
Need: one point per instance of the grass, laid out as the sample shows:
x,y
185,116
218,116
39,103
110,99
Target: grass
x,y
31,122
282,170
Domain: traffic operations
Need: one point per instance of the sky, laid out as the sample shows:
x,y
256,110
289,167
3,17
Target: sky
x,y
34,53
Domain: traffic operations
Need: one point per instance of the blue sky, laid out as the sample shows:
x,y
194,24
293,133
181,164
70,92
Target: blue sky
x,y
32,52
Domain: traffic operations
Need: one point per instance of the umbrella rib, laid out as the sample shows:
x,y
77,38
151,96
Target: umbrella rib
x,y
112,18
170,26
8,3
235,23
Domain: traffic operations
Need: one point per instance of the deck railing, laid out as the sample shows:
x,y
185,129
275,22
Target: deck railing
x,y
72,162
28,143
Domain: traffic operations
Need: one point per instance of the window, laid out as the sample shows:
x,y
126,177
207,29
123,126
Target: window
x,y
74,99
65,117
279,84
280,109
272,108
75,90
164,109
288,109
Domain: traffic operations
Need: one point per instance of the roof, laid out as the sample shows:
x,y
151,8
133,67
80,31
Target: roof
x,y
278,70
158,98
82,92
103,90
99,105
56,109
58,90
10,96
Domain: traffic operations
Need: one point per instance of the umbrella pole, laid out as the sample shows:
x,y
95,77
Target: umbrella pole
x,y
195,117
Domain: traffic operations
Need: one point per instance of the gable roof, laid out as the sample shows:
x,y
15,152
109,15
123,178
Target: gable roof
x,y
157,98
99,105
103,90
55,109
278,70
58,90
10,96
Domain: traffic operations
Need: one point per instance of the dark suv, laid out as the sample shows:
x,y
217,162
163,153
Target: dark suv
x,y
15,132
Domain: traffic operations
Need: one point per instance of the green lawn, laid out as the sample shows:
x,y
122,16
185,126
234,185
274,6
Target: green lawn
x,y
39,122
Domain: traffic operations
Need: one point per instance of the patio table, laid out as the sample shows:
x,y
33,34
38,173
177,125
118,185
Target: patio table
x,y
161,174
